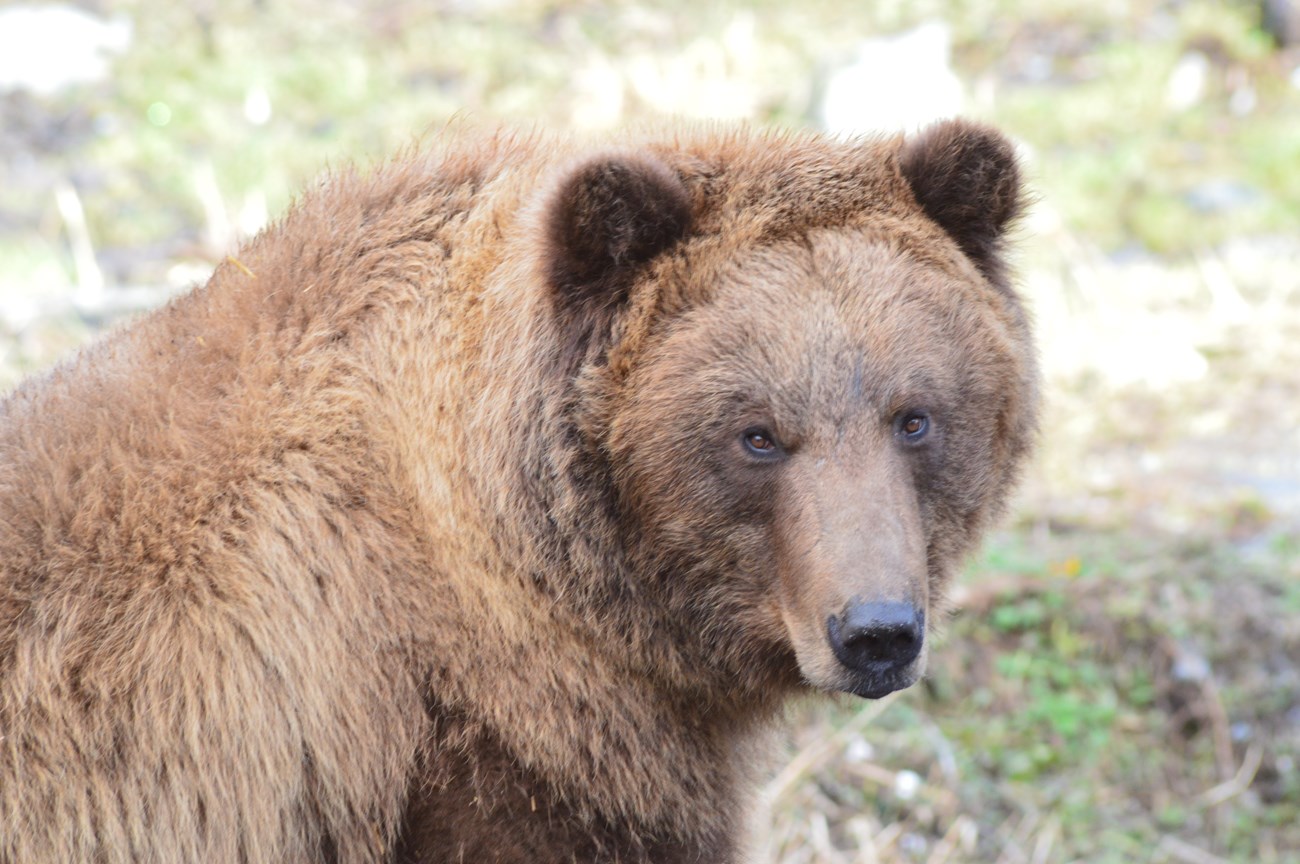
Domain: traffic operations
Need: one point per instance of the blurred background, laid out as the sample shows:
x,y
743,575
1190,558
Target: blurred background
x,y
1121,679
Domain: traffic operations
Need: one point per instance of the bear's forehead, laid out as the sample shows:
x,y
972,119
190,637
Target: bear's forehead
x,y
844,293
823,328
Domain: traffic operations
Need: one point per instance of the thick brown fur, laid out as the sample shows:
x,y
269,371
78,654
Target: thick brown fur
x,y
425,532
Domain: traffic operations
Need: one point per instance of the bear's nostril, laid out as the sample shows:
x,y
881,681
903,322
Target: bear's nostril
x,y
877,637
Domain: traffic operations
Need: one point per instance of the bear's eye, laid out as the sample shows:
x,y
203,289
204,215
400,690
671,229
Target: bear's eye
x,y
760,442
913,426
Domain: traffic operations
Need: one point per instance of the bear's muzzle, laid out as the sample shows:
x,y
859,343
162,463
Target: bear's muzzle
x,y
877,643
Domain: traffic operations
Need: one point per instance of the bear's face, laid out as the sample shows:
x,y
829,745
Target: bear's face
x,y
818,438
807,447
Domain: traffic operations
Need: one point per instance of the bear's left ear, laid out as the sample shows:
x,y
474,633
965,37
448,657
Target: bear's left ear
x,y
966,178
607,219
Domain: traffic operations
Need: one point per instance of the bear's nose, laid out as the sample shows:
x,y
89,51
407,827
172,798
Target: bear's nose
x,y
877,638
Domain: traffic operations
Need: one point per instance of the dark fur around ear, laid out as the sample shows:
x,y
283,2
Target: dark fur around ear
x,y
608,218
967,179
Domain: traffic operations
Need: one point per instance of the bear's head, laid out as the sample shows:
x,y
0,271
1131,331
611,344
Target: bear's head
x,y
809,382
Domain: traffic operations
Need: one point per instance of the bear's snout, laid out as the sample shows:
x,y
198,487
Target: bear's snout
x,y
877,642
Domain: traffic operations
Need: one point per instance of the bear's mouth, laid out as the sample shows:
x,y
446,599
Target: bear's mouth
x,y
877,686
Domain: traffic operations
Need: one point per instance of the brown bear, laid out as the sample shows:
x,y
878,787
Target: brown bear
x,y
487,507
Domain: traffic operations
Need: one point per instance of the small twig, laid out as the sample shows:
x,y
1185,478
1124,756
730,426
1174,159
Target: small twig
x,y
819,836
1046,839
951,839
1172,847
888,836
90,278
1239,782
1012,850
1220,727
864,839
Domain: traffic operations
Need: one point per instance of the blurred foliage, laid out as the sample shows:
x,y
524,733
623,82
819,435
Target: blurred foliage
x,y
1087,86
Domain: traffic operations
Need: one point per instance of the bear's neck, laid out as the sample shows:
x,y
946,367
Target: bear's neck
x,y
537,637
567,766
473,785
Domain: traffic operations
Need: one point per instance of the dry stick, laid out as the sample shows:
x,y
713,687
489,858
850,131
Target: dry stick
x,y
1012,852
1046,839
819,837
90,279
948,843
1221,728
889,836
1174,848
1225,765
865,841
1239,782
1222,731
779,846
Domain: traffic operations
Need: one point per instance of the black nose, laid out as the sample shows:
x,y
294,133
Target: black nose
x,y
877,638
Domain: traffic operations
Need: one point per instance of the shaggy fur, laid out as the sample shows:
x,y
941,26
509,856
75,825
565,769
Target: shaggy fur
x,y
429,532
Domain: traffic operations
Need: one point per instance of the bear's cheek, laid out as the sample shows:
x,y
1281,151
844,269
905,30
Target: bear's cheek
x,y
693,505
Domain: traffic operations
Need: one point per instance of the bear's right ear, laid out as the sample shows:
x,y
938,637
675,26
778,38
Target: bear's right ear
x,y
966,178
607,219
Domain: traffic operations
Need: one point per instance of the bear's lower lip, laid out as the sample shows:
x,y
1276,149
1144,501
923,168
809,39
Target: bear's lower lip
x,y
875,688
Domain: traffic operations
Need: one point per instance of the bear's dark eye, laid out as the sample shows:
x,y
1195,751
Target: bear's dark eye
x,y
760,442
913,426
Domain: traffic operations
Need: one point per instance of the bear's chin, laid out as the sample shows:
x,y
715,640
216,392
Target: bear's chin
x,y
867,683
879,686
